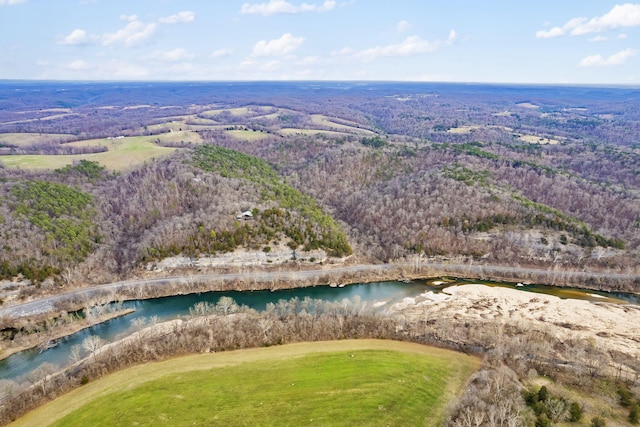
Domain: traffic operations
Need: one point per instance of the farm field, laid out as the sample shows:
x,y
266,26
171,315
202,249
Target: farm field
x,y
364,382
126,152
323,120
248,135
33,138
298,131
122,154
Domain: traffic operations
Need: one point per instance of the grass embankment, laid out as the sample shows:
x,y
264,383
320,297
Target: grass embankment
x,y
357,382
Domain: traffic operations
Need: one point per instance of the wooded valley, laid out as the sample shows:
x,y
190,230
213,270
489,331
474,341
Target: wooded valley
x,y
505,175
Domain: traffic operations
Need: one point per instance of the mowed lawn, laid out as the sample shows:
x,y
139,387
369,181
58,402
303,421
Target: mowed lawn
x,y
356,382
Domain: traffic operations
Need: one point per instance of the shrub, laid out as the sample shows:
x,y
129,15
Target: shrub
x,y
530,397
626,397
575,412
543,394
543,421
634,414
598,422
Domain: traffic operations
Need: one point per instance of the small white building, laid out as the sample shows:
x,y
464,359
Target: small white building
x,y
246,215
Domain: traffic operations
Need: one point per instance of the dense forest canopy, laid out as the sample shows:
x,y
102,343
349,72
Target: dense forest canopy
x,y
544,176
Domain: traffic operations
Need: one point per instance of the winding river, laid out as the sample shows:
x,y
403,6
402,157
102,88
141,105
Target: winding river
x,y
173,307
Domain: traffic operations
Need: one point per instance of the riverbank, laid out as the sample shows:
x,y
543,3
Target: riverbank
x,y
613,326
46,339
155,286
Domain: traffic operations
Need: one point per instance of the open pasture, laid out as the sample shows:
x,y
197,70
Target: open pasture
x,y
122,154
533,139
322,120
34,138
248,135
239,111
300,131
355,382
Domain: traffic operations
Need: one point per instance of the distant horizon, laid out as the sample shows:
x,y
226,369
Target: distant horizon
x,y
400,82
593,42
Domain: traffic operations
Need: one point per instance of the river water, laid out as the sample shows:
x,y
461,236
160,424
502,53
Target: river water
x,y
173,307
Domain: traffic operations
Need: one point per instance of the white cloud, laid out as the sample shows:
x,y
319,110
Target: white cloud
x,y
277,47
560,31
11,2
622,36
77,37
404,26
345,51
625,15
280,6
180,17
184,68
174,55
221,53
598,38
412,45
615,59
123,70
271,66
78,65
133,34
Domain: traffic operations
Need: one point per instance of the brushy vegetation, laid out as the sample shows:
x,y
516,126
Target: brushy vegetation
x,y
63,213
558,220
92,171
374,142
469,148
542,216
549,409
299,217
64,216
466,175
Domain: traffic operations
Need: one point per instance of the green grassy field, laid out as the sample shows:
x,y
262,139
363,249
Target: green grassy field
x,y
360,382
123,154
33,138
300,131
248,135
326,121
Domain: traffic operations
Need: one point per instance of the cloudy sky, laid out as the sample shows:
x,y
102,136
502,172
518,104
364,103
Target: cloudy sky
x,y
524,41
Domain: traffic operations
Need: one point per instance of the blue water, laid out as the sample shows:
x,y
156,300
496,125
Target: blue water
x,y
174,307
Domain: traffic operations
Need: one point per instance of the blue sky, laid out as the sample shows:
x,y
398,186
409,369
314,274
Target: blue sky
x,y
541,41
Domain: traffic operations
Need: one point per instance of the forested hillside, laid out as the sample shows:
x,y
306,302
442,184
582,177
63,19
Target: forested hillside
x,y
539,176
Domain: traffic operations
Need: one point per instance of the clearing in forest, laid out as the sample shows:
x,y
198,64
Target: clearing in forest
x,y
122,154
354,382
21,139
